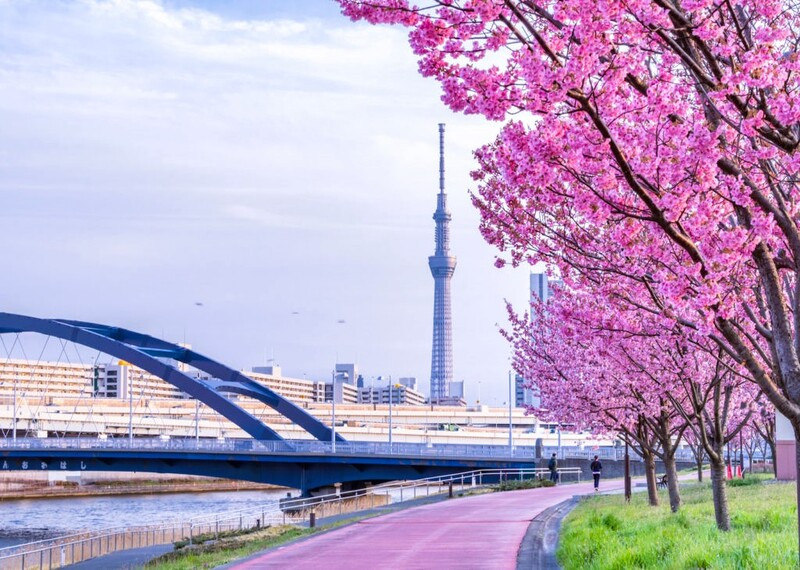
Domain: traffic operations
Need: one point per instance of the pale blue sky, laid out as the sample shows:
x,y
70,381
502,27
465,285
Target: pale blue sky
x,y
264,158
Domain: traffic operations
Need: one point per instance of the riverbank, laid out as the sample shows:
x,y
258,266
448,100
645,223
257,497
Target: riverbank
x,y
153,487
604,532
27,520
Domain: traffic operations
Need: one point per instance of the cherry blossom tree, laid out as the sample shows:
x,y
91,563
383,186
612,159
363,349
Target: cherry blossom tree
x,y
667,128
613,360
594,375
698,451
718,403
764,425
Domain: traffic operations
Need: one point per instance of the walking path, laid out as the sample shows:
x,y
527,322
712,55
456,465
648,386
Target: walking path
x,y
480,532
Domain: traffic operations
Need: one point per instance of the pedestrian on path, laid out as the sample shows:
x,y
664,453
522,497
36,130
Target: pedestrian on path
x,y
596,468
552,465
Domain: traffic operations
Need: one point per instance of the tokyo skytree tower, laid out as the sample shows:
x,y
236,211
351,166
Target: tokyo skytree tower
x,y
442,265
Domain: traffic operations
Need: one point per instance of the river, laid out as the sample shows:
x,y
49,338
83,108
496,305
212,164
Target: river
x,y
25,520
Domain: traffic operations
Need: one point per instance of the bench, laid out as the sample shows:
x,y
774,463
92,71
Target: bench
x,y
661,482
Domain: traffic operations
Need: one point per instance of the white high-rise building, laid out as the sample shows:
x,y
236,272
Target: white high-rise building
x,y
541,290
542,286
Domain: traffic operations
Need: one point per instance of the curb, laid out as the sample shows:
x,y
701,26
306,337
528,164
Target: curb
x,y
538,547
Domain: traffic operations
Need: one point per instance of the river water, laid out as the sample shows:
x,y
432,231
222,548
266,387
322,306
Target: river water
x,y
26,520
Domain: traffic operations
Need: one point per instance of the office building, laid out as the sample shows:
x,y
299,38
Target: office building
x,y
542,290
399,394
408,382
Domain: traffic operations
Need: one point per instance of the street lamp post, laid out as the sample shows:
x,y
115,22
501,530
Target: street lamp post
x,y
333,411
14,427
510,419
197,422
558,429
130,411
390,413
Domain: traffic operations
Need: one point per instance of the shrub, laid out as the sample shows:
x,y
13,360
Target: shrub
x,y
611,521
515,485
744,482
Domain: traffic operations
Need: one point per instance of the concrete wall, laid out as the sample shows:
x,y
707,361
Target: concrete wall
x,y
86,477
785,462
611,468
785,449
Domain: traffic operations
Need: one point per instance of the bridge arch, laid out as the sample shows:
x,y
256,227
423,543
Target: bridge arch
x,y
143,351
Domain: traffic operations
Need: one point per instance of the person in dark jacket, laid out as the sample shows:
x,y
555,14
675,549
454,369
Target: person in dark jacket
x,y
596,468
552,465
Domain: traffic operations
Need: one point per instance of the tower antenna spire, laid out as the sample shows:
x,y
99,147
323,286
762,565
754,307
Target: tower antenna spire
x,y
441,158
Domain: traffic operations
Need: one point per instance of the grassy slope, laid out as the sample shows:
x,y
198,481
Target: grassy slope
x,y
604,532
211,555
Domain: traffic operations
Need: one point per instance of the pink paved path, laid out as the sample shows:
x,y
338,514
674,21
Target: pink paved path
x,y
484,531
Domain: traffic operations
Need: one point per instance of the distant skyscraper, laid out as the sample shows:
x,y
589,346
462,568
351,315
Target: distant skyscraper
x,y
442,266
541,289
541,286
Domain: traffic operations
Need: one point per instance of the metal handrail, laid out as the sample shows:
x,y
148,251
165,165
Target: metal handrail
x,y
314,447
272,447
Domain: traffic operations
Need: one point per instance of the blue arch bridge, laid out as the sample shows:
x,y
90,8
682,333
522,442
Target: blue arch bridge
x,y
267,457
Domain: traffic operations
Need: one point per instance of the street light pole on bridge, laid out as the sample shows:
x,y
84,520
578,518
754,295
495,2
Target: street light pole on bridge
x,y
510,417
391,388
130,411
333,411
14,427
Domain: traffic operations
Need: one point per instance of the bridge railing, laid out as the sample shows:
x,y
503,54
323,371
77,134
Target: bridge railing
x,y
269,446
322,447
74,548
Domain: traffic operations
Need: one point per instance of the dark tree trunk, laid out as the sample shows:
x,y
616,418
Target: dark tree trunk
x,y
699,459
774,462
650,476
720,494
672,482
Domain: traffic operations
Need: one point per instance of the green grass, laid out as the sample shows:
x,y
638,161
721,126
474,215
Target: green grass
x,y
217,553
605,533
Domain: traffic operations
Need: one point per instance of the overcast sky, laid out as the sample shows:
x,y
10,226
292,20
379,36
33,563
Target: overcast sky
x,y
268,159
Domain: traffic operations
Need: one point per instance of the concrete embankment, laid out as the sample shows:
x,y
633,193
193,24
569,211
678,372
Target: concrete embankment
x,y
13,488
102,490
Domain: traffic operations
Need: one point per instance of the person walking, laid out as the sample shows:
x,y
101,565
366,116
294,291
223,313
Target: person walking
x,y
552,465
596,468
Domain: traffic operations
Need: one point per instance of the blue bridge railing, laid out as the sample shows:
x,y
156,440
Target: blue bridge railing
x,y
272,447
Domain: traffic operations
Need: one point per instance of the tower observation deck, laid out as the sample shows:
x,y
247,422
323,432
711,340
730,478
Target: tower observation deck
x,y
442,265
